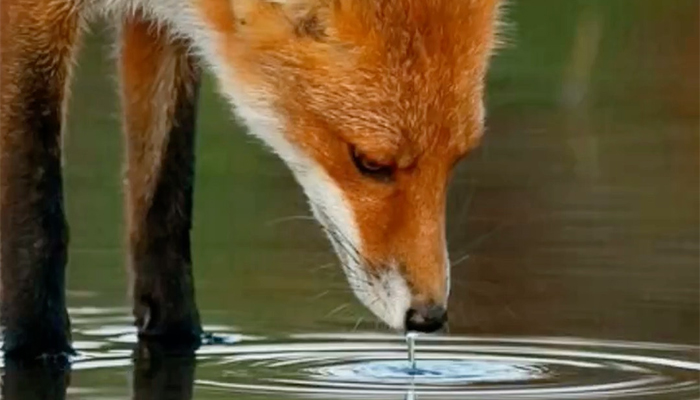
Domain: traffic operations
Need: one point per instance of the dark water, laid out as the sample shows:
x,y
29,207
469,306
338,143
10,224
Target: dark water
x,y
575,227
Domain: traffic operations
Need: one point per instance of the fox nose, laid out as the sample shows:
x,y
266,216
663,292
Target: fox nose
x,y
426,318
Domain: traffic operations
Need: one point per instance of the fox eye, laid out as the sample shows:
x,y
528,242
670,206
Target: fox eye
x,y
371,168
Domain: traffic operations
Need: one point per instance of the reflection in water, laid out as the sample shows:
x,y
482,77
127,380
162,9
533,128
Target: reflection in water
x,y
40,381
159,376
371,366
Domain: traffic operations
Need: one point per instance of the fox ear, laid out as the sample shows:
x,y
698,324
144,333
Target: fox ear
x,y
306,18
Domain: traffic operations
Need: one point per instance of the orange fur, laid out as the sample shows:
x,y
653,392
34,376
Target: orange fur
x,y
401,80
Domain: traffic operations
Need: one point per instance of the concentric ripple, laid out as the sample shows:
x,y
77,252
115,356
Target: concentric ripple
x,y
375,366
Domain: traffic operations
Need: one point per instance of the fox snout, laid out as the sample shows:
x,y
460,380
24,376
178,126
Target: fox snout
x,y
398,299
406,297
427,312
426,317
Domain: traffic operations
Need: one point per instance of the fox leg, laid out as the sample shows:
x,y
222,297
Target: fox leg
x,y
38,40
160,83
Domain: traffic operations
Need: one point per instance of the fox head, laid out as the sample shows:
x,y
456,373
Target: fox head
x,y
370,103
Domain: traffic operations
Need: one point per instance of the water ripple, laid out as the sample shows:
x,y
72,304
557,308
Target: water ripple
x,y
375,366
367,365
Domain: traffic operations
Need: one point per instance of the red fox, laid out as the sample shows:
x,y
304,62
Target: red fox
x,y
370,103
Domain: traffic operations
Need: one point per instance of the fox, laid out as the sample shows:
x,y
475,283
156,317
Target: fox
x,y
369,103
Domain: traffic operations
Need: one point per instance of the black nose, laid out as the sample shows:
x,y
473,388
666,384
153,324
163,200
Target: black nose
x,y
426,318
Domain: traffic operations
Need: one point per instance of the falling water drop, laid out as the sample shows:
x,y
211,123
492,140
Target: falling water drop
x,y
411,341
